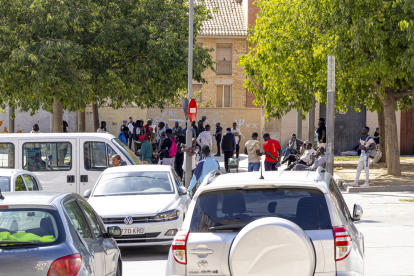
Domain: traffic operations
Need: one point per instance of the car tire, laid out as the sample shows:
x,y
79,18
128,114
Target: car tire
x,y
272,244
119,269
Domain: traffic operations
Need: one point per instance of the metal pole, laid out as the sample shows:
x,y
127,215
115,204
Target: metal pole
x,y
11,119
189,135
311,124
330,115
299,125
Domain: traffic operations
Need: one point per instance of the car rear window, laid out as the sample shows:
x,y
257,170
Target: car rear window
x,y
41,226
305,207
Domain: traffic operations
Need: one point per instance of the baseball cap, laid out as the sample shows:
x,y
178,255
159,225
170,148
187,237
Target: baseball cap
x,y
142,137
125,121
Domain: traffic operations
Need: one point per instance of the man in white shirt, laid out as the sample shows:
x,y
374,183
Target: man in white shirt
x,y
304,159
366,145
320,161
238,135
205,139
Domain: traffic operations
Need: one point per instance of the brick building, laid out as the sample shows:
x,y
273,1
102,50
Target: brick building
x,y
227,34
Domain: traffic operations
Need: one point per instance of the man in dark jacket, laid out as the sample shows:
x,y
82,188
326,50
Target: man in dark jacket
x,y
293,146
201,124
228,145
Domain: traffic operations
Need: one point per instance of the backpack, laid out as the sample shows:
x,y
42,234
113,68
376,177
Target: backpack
x,y
173,149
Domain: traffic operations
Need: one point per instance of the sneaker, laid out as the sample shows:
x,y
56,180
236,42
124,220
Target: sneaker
x,y
365,185
353,184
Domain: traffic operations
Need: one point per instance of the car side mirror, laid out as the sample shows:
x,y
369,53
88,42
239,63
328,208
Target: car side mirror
x,y
358,212
87,193
114,231
182,190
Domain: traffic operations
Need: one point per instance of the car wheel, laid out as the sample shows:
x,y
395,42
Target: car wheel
x,y
118,269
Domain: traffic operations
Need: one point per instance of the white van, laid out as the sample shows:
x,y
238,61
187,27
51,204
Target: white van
x,y
63,162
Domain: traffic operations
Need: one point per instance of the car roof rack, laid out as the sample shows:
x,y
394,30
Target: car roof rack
x,y
212,176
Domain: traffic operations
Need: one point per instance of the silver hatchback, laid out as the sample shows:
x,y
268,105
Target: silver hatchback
x,y
54,234
289,223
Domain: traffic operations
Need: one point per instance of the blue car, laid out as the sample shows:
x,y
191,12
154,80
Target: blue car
x,y
48,234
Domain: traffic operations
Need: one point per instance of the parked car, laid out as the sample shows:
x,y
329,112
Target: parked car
x,y
147,202
18,181
292,223
63,162
46,234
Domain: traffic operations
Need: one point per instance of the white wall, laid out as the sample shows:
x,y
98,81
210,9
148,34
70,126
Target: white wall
x,y
372,123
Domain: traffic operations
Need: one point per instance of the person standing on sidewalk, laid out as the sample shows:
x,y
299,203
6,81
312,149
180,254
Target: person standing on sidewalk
x,y
161,129
201,124
123,135
321,131
35,129
131,126
102,129
204,167
228,145
238,136
219,132
252,149
366,145
146,149
273,153
205,139
166,145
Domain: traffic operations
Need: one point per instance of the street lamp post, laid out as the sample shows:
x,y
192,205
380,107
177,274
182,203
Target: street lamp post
x,y
189,136
330,115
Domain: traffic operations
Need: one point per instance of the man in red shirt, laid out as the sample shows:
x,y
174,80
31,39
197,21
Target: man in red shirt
x,y
273,153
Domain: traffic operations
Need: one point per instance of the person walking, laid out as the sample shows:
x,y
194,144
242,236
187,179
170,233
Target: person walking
x,y
131,126
204,167
304,159
228,146
238,136
219,132
252,150
146,150
366,145
321,131
272,151
35,129
205,139
169,149
123,135
201,124
102,129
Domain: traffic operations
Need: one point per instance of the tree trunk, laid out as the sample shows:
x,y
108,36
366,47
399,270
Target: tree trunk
x,y
95,116
391,134
81,121
383,130
11,119
57,116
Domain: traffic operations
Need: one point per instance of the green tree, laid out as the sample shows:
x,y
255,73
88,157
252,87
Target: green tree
x,y
371,41
65,54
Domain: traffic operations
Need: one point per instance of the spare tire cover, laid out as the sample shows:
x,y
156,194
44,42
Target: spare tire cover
x,y
272,246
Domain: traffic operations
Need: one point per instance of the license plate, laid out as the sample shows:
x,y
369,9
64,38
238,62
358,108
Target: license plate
x,y
133,231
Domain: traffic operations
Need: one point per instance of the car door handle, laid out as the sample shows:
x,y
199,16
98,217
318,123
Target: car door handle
x,y
83,178
70,179
201,251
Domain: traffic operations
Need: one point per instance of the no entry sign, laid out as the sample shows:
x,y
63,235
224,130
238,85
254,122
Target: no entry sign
x,y
192,110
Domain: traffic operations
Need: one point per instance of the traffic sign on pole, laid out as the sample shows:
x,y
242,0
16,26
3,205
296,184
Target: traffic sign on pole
x,y
192,110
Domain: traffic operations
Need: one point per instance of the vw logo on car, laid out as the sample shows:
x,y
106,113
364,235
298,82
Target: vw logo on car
x,y
128,220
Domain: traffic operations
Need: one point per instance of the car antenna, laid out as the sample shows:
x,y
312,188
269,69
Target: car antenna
x,y
261,170
1,196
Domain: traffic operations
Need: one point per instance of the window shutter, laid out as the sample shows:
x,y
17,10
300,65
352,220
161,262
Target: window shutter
x,y
223,52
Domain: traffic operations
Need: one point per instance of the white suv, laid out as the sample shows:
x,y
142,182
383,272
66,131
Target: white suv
x,y
289,223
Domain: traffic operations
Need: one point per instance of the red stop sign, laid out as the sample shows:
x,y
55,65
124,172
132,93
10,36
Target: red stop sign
x,y
192,110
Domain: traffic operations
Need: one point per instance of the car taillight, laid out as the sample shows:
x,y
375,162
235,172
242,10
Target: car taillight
x,y
66,266
343,242
179,246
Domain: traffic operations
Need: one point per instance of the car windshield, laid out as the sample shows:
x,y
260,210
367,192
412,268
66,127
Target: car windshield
x,y
133,183
133,159
4,184
231,210
20,227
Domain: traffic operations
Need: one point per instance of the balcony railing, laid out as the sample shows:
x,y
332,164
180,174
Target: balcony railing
x,y
223,67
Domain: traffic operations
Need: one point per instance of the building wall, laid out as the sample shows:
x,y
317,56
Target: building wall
x,y
209,90
372,123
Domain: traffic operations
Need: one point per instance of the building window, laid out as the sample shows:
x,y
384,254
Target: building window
x,y
197,90
223,57
223,98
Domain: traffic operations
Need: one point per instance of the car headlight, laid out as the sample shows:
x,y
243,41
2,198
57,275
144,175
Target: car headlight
x,y
169,215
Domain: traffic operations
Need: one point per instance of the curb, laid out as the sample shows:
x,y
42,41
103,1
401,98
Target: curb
x,y
348,189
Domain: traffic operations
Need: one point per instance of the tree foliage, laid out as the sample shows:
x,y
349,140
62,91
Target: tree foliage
x,y
107,51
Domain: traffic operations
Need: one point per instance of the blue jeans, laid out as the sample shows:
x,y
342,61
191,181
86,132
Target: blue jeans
x,y
287,152
253,166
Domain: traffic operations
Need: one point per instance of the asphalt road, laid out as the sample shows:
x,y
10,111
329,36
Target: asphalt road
x,y
387,224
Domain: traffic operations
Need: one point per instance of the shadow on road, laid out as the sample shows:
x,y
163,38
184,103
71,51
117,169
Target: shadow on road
x,y
149,253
